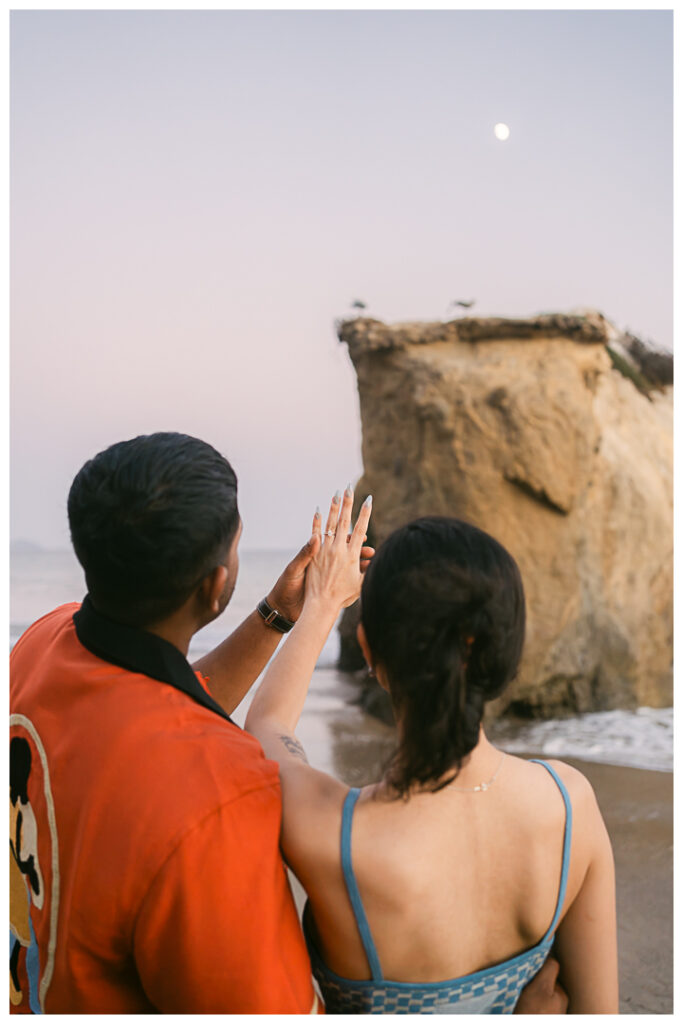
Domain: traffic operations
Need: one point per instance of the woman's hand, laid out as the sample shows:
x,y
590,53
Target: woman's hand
x,y
333,579
335,573
288,594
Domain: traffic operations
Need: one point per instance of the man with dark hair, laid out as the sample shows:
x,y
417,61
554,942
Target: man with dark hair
x,y
149,519
157,819
146,822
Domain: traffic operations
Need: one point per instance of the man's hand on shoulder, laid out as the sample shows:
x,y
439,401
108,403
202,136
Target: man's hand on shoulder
x,y
544,994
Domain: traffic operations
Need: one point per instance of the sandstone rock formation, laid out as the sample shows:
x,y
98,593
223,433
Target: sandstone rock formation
x,y
528,429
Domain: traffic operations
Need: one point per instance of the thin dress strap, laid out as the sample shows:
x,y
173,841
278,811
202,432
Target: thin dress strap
x,y
565,849
352,886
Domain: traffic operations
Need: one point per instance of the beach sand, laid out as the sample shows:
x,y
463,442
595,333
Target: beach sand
x,y
638,810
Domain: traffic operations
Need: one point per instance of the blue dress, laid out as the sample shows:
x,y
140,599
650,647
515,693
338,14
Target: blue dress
x,y
493,990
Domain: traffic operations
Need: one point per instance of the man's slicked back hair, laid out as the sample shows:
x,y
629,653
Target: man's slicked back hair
x,y
149,518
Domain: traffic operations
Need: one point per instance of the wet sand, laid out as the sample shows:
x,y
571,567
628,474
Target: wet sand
x,y
638,810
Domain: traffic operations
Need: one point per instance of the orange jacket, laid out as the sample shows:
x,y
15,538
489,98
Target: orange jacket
x,y
145,869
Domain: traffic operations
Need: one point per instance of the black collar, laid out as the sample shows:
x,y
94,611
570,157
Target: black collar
x,y
139,651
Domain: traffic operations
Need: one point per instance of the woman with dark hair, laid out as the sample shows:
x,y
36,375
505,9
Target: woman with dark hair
x,y
441,888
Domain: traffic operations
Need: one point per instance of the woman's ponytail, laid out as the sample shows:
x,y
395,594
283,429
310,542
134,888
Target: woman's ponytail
x,y
443,611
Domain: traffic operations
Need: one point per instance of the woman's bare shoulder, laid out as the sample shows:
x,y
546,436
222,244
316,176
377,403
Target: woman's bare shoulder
x,y
574,781
312,804
585,811
309,791
590,839
577,785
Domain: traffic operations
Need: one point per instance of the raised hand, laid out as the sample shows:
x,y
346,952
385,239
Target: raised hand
x,y
335,573
287,596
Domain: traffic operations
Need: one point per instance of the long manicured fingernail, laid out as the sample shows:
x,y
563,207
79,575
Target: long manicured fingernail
x,y
317,511
337,498
349,492
368,502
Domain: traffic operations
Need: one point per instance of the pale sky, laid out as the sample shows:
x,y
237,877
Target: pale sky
x,y
195,196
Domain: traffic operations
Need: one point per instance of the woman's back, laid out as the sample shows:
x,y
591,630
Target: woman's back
x,y
457,856
451,882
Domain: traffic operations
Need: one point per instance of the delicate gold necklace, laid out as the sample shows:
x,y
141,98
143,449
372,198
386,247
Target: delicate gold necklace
x,y
483,786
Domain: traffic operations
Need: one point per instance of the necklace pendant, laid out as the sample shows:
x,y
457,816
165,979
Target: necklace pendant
x,y
477,788
484,785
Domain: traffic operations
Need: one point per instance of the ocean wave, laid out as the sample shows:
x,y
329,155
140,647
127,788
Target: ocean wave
x,y
641,738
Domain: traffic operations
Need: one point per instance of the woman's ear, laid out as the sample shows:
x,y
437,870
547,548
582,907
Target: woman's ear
x,y
375,670
363,643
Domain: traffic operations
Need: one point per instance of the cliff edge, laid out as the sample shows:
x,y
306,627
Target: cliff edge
x,y
554,434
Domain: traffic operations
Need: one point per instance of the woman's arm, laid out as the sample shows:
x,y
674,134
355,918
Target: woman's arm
x,y
333,580
586,940
232,667
310,798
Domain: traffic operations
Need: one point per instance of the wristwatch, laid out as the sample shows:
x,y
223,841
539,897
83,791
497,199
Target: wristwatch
x,y
272,618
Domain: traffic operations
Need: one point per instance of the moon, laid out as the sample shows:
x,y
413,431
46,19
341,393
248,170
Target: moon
x,y
501,131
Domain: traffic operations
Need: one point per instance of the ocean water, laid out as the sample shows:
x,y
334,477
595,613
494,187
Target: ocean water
x,y
340,737
642,738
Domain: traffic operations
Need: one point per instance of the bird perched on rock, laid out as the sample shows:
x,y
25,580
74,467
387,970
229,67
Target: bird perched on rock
x,y
359,306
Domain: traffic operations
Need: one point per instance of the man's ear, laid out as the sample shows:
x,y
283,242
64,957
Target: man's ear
x,y
212,586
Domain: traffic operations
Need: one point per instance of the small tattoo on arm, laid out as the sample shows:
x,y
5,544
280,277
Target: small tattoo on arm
x,y
294,747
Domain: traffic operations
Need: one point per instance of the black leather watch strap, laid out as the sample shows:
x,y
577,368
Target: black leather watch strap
x,y
271,617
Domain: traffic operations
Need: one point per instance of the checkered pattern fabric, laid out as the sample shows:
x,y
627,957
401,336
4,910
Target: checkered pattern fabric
x,y
494,990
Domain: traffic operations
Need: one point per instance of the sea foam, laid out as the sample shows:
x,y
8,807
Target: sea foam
x,y
642,738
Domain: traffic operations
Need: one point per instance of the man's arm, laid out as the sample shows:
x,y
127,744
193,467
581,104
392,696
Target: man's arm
x,y
218,930
236,663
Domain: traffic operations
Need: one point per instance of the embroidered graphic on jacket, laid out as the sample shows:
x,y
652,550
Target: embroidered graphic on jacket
x,y
34,875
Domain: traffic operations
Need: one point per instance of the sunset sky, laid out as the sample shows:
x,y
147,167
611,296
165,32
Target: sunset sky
x,y
195,197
